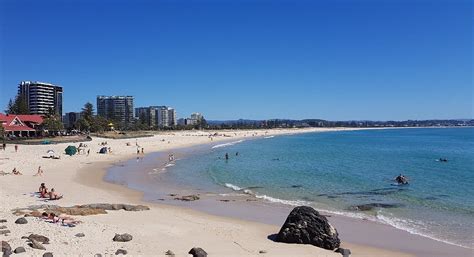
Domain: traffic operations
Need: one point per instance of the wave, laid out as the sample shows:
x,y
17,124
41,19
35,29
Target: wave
x,y
269,137
265,197
410,227
398,223
227,144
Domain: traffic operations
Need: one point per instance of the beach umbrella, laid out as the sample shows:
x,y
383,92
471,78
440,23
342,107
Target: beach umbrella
x,y
71,150
50,152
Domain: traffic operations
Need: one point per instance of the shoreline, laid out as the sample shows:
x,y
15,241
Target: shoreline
x,y
258,206
80,178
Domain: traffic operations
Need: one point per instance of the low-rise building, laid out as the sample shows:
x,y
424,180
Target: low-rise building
x,y
21,125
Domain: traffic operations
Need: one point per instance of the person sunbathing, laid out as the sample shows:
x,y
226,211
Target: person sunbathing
x,y
53,195
16,172
43,191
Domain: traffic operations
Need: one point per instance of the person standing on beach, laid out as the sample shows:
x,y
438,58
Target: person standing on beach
x,y
16,148
39,172
143,150
4,146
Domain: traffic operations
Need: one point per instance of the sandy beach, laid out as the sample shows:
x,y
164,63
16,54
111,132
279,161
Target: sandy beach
x,y
164,227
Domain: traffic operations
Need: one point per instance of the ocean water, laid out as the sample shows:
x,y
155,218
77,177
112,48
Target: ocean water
x,y
334,171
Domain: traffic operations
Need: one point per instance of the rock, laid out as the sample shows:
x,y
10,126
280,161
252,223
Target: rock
x,y
3,220
262,251
6,249
187,198
304,225
344,252
36,245
39,238
4,232
197,252
97,255
122,237
21,221
3,227
121,251
169,253
371,206
79,235
19,250
48,254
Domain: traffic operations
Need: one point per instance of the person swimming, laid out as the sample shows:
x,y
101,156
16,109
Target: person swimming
x,y
401,179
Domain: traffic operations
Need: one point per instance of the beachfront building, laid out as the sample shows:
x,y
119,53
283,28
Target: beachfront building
x,y
21,125
195,119
116,108
41,97
147,115
166,116
70,119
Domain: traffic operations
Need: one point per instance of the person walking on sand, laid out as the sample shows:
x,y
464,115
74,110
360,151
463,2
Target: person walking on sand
x,y
143,150
4,146
16,148
39,172
88,152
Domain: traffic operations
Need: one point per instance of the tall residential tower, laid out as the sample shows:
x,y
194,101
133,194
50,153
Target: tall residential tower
x,y
117,108
42,97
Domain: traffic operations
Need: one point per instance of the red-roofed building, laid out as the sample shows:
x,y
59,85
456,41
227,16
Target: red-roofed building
x,y
21,125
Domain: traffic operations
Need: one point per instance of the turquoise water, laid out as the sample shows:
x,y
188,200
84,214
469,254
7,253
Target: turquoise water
x,y
333,171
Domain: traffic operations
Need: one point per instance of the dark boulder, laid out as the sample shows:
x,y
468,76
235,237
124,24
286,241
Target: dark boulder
x,y
197,252
6,249
344,252
122,237
304,225
79,235
21,221
48,254
19,250
36,245
39,238
121,251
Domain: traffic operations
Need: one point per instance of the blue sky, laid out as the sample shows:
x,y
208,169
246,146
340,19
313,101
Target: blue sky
x,y
334,59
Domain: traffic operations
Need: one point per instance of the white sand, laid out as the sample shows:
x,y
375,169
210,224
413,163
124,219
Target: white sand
x,y
155,231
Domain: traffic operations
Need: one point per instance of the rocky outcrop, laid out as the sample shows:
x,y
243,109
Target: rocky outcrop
x,y
304,225
371,206
197,252
187,198
122,237
78,210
